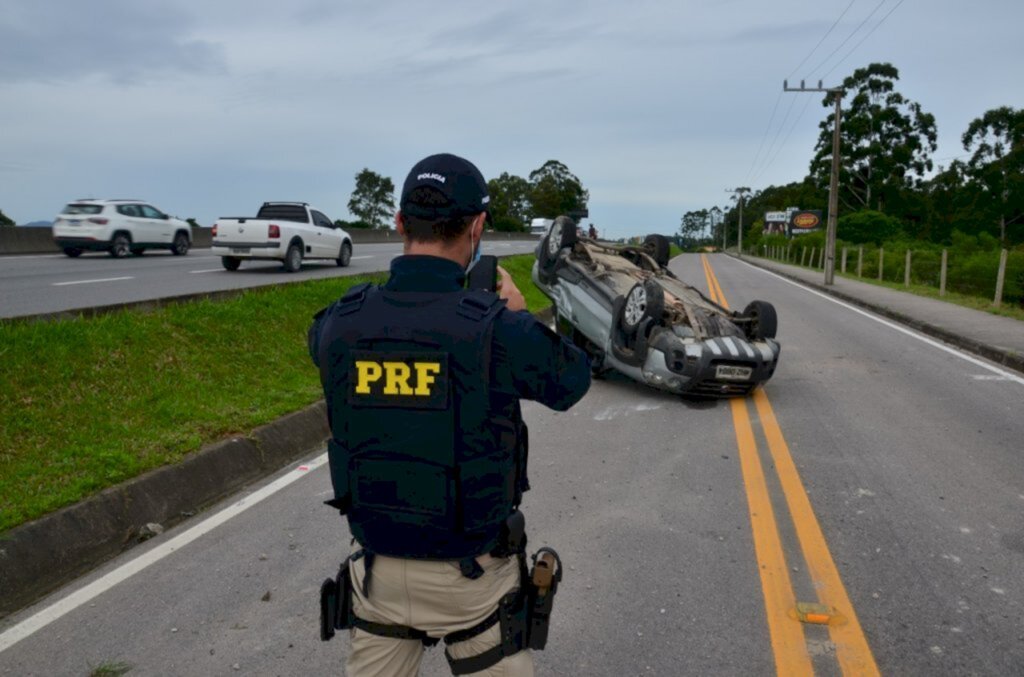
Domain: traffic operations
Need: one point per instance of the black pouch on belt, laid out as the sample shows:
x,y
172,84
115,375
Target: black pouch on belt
x,y
328,608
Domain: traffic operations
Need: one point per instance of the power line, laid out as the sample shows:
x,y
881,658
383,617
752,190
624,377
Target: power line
x,y
843,43
894,8
827,33
771,118
764,136
778,132
807,102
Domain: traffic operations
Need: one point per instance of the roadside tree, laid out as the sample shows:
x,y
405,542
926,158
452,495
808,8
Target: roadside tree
x,y
996,167
554,191
510,202
6,220
373,199
886,141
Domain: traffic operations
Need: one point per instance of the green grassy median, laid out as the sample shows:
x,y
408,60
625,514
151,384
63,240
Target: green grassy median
x,y
91,402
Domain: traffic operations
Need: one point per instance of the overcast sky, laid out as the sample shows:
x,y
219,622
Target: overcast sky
x,y
207,109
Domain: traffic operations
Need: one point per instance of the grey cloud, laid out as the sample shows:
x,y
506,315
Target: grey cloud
x,y
118,39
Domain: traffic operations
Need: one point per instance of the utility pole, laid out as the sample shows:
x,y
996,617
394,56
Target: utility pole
x,y
738,193
833,186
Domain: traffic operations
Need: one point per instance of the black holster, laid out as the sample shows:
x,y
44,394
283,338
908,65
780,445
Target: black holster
x,y
336,603
541,587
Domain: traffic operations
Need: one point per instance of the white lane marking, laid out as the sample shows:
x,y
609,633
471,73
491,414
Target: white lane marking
x,y
367,256
104,279
988,377
1007,376
33,256
129,569
208,270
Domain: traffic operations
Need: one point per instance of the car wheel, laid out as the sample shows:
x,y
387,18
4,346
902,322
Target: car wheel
x,y
138,251
763,320
346,254
121,246
561,235
658,247
73,252
645,300
293,259
180,245
230,262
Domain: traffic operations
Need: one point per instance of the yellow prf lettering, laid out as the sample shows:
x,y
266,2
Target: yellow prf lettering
x,y
368,372
397,382
425,373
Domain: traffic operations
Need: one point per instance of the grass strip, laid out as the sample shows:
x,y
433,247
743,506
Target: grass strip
x,y
91,402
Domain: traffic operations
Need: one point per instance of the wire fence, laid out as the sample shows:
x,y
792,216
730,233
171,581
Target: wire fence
x,y
996,275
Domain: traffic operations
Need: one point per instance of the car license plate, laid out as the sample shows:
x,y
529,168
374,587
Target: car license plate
x,y
728,372
240,250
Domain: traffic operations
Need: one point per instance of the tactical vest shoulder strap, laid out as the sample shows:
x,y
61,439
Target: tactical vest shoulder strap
x,y
478,304
353,299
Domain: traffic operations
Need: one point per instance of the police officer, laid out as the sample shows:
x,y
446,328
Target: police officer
x,y
428,452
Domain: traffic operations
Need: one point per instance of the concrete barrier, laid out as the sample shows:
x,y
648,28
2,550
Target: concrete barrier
x,y
40,240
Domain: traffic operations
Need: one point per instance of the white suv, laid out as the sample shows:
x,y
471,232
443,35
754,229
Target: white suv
x,y
119,227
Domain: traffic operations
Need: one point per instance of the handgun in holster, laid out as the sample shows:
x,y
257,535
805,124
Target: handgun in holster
x,y
544,580
336,603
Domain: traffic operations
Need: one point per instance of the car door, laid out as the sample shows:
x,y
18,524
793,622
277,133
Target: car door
x,y
328,244
156,224
130,219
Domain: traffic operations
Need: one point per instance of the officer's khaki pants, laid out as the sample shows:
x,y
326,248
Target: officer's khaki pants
x,y
434,597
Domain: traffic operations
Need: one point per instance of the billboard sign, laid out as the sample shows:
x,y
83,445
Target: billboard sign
x,y
775,222
805,221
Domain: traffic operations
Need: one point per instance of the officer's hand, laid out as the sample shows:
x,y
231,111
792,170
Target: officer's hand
x,y
507,290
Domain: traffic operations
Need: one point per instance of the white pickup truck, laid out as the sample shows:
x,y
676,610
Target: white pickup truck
x,y
285,231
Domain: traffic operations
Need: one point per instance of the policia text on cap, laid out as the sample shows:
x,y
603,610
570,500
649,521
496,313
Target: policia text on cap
x,y
428,448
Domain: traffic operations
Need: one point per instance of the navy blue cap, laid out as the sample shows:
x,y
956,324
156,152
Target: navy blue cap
x,y
456,178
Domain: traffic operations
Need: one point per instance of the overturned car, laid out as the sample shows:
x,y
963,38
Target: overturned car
x,y
630,313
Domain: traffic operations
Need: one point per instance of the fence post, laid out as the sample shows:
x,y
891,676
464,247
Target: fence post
x,y
906,273
843,269
942,274
803,253
860,260
821,258
881,260
1000,278
814,251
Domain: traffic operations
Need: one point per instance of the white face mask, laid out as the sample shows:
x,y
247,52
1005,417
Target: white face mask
x,y
476,251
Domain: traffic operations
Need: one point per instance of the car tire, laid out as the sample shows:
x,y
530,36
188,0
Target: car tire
x,y
561,234
764,322
645,300
230,262
293,258
121,246
138,251
73,252
345,256
658,247
180,245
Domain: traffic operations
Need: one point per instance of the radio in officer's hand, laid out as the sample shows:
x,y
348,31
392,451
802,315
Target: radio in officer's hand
x,y
483,274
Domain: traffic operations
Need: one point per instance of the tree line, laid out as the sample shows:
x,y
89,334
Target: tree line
x,y
889,187
550,190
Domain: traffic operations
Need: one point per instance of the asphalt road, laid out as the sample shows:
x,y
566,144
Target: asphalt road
x,y
32,284
905,463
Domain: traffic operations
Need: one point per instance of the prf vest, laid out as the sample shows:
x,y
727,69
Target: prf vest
x,y
425,460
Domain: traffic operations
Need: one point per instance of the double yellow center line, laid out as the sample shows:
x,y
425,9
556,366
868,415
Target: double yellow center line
x,y
786,615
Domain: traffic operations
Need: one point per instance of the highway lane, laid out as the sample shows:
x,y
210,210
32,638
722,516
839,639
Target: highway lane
x,y
46,283
908,457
